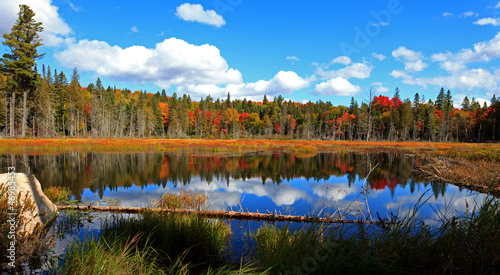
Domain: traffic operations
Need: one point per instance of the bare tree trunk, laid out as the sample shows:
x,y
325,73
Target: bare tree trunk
x,y
34,117
6,110
12,113
25,114
368,134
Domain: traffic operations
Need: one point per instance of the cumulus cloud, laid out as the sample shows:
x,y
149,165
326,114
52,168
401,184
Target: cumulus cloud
x,y
412,59
379,87
345,60
337,86
55,29
460,76
464,80
354,70
284,82
171,62
378,56
488,21
196,13
406,54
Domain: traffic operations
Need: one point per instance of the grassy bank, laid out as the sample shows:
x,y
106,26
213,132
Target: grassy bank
x,y
217,146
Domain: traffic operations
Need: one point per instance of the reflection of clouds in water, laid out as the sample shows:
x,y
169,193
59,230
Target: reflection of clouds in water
x,y
281,195
447,206
336,191
220,195
332,196
136,197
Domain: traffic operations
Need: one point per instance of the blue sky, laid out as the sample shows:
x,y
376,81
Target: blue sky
x,y
303,50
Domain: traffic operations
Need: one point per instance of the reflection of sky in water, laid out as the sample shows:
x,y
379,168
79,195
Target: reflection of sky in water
x,y
303,197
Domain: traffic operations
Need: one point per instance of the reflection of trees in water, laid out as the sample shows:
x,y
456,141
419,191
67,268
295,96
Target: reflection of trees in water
x,y
104,171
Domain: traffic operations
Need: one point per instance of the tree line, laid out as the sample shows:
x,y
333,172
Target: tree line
x,y
46,103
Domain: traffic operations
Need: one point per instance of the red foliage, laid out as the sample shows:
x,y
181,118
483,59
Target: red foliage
x,y
382,103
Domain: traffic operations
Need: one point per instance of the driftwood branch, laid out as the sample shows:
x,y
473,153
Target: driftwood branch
x,y
214,214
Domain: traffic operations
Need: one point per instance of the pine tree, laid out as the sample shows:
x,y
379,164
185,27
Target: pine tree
x,y
466,104
19,64
440,100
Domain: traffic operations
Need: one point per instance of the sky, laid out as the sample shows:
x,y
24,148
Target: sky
x,y
302,50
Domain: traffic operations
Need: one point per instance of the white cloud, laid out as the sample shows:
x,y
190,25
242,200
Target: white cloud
x,y
380,24
284,82
469,13
74,7
463,15
406,54
462,80
345,60
171,62
415,66
55,29
484,51
196,13
134,29
488,21
412,59
337,86
379,87
293,58
354,70
378,56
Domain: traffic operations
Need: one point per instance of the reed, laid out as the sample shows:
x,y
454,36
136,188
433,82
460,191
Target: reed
x,y
172,235
461,244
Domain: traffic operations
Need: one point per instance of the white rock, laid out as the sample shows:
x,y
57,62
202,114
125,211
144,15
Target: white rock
x,y
28,185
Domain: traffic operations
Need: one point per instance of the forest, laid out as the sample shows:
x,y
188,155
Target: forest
x,y
39,102
58,107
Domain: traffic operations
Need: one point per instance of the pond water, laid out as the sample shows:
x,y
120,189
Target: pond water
x,y
321,184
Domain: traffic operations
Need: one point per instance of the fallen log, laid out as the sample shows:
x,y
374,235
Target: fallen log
x,y
214,214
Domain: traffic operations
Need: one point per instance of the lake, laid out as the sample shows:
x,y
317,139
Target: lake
x,y
319,184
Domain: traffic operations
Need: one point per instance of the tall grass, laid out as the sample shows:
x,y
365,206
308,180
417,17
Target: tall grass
x,y
200,241
463,244
109,255
153,244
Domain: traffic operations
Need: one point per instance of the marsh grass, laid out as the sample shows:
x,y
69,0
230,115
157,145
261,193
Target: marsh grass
x,y
172,235
184,199
113,254
465,244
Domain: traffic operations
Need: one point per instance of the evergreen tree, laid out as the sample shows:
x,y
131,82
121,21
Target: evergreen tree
x,y
466,104
19,64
